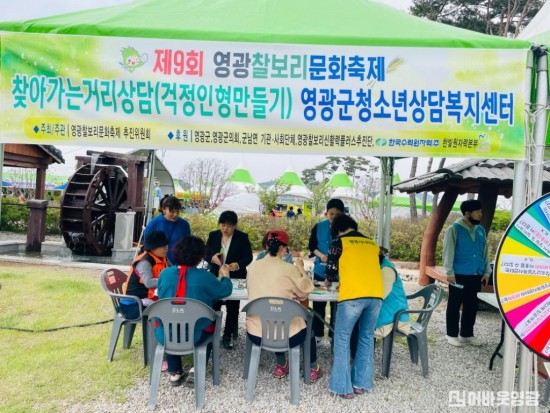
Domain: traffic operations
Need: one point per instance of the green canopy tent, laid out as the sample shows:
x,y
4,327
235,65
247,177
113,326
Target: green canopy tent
x,y
350,77
353,77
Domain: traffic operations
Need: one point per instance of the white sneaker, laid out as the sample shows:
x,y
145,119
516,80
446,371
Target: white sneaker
x,y
473,341
176,379
190,381
454,341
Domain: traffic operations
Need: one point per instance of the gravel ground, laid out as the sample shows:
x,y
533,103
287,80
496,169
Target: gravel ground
x,y
460,369
463,370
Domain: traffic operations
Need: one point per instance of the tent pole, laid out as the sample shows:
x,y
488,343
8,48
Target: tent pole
x,y
539,128
387,213
150,178
1,174
381,201
539,137
519,198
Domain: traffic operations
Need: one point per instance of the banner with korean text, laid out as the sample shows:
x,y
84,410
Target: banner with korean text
x,y
223,96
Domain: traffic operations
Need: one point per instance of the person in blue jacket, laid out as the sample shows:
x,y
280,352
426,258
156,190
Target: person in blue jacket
x,y
467,266
185,280
173,226
319,243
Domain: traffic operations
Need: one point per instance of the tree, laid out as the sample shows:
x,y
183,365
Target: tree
x,y
355,167
498,17
360,170
367,187
320,194
268,196
207,181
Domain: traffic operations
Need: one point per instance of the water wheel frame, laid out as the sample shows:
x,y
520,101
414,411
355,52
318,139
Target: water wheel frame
x,y
88,208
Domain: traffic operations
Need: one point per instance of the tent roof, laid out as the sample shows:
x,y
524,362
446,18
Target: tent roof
x,y
345,22
290,177
468,176
340,179
241,175
538,29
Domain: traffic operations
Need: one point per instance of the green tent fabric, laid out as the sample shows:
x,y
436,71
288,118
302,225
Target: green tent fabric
x,y
297,186
327,22
290,177
241,175
538,32
340,179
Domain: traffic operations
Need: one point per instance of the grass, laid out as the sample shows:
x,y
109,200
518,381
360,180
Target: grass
x,y
44,371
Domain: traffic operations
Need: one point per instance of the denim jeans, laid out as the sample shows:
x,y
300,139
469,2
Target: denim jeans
x,y
360,375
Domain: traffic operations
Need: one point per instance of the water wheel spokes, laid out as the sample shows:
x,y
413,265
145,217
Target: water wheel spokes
x,y
89,206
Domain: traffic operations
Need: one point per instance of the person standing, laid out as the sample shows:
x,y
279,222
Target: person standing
x,y
173,226
290,213
466,262
353,261
319,243
229,247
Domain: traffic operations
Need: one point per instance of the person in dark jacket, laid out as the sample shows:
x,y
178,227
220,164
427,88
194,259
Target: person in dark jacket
x,y
229,247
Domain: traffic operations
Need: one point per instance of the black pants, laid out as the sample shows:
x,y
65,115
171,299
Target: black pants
x,y
174,362
467,297
232,316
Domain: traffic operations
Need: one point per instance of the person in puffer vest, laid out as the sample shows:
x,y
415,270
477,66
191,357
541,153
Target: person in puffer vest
x,y
144,273
466,262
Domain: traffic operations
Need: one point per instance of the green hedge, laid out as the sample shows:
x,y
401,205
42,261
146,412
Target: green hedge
x,y
405,242
15,217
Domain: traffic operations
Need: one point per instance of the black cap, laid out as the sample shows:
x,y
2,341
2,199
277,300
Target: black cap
x,y
154,240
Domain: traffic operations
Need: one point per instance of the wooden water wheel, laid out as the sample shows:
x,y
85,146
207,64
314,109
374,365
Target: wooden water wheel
x,y
92,197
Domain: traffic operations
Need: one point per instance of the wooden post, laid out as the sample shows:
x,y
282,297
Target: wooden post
x,y
40,183
488,194
36,229
435,225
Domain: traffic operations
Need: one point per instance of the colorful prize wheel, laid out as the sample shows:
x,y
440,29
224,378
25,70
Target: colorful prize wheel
x,y
522,276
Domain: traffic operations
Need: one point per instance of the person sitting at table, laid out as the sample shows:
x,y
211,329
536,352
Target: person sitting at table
x,y
144,272
272,277
231,247
262,254
185,280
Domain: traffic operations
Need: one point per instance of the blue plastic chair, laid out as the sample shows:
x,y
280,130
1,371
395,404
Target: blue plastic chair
x,y
178,317
112,281
276,314
417,339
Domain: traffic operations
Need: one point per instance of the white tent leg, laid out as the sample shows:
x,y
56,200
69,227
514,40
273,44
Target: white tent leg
x,y
382,201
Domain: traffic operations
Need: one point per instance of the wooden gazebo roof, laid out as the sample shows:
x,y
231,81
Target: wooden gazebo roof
x,y
468,177
37,157
488,178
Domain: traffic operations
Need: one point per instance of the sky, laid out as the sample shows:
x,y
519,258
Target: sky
x,y
263,167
